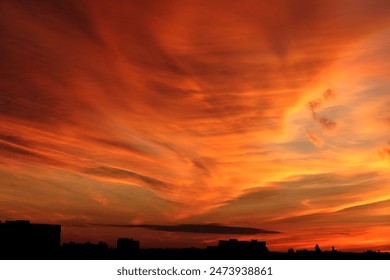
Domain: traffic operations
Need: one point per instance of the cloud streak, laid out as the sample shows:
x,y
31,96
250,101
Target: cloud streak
x,y
109,172
203,228
317,141
315,105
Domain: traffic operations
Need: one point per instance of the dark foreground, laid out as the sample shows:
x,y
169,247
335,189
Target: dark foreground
x,y
24,240
101,251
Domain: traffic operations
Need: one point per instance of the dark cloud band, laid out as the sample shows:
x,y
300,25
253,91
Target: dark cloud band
x,y
203,228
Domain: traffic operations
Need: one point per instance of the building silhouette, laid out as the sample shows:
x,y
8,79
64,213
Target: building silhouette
x,y
127,245
85,251
127,248
238,249
243,246
21,239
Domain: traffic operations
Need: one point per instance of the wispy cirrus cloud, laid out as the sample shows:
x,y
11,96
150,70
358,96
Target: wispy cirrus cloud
x,y
315,105
187,107
113,173
315,139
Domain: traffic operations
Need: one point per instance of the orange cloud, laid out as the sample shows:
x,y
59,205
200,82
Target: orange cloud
x,y
170,110
315,139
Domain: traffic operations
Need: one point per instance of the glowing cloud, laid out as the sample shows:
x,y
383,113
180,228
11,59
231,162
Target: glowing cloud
x,y
175,112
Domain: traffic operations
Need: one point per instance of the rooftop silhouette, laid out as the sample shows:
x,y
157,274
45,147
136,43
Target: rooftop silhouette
x,y
21,239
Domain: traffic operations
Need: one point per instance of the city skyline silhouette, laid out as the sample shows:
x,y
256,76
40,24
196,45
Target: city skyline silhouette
x,y
24,240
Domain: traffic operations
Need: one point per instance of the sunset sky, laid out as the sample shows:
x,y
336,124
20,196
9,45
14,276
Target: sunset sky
x,y
265,120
